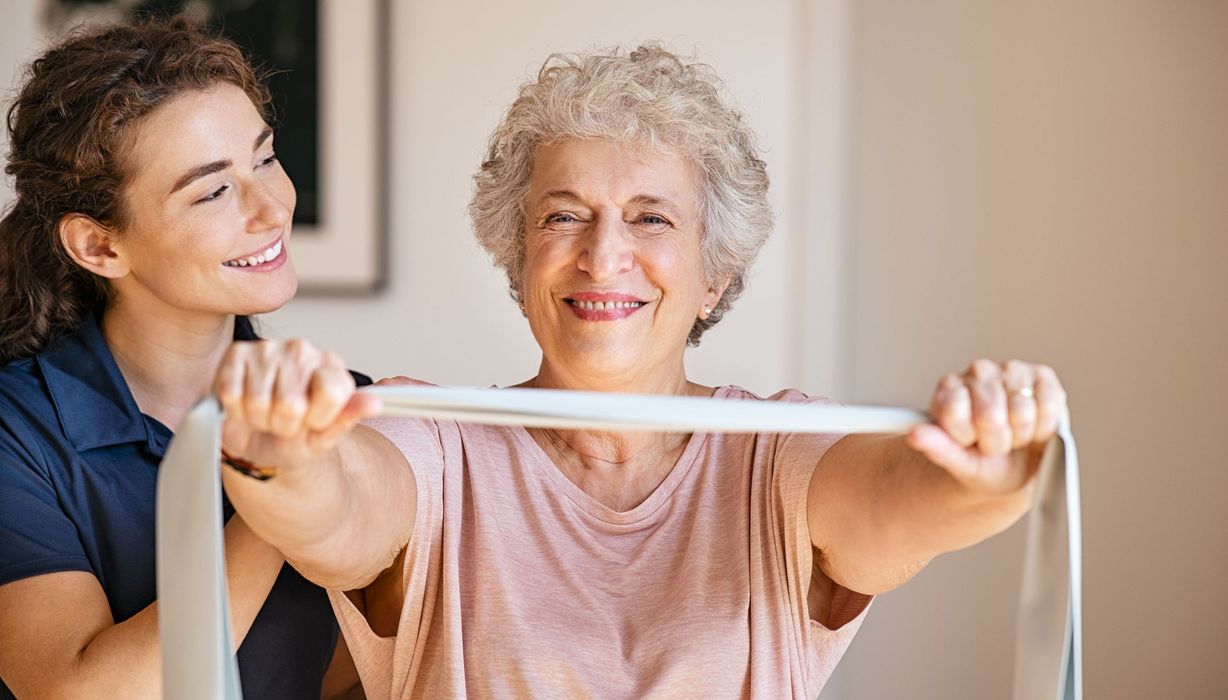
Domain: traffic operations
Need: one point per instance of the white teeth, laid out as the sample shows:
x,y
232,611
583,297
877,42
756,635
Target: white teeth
x,y
258,259
606,305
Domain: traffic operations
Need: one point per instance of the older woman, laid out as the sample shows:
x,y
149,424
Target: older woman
x,y
625,201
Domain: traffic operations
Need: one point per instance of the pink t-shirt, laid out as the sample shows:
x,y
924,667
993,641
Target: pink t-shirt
x,y
520,585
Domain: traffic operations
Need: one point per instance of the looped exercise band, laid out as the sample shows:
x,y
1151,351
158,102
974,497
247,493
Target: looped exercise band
x,y
194,611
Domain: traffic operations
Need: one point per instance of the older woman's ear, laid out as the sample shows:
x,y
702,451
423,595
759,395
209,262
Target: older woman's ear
x,y
712,298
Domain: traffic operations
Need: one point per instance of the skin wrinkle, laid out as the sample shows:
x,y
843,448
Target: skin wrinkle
x,y
878,507
655,103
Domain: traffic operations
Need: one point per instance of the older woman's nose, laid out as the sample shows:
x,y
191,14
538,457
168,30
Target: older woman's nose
x,y
607,249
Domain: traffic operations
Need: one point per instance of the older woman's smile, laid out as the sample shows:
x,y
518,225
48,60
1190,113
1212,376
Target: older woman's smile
x,y
678,564
603,306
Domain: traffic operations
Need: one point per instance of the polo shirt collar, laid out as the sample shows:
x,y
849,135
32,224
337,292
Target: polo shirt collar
x,y
92,400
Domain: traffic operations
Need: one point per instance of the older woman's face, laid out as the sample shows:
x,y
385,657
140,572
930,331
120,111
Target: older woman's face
x,y
613,278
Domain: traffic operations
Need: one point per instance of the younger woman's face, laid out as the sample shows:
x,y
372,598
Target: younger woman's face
x,y
207,209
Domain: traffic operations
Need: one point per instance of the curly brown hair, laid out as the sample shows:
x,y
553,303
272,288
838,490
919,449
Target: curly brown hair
x,y
66,132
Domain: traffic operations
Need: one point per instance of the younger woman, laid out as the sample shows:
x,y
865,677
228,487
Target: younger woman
x,y
152,219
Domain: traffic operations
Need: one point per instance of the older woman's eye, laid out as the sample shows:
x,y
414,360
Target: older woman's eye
x,y
213,195
653,220
561,218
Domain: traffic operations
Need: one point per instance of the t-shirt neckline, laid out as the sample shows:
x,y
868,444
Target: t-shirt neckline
x,y
659,496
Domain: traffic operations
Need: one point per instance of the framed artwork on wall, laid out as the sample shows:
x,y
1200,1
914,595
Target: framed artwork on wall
x,y
327,64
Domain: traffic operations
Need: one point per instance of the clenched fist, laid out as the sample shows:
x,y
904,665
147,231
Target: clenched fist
x,y
991,424
286,402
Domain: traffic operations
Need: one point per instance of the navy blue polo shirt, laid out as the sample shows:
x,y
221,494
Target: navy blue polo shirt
x,y
78,471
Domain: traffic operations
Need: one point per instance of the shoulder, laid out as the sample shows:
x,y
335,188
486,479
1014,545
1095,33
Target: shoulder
x,y
28,418
401,380
789,459
784,395
21,381
420,440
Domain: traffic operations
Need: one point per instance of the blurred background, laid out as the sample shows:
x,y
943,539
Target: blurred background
x,y
954,178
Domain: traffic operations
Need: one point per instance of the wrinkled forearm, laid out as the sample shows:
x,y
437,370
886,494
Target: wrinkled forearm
x,y
339,520
928,512
880,511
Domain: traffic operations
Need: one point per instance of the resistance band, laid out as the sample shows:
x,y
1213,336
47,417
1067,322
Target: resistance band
x,y
194,611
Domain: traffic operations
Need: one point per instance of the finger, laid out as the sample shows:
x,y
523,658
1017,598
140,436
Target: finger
x,y
940,447
951,409
331,389
236,436
989,412
260,374
1018,379
1051,405
294,371
228,384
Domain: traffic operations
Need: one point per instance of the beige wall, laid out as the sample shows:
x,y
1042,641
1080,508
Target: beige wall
x,y
1050,180
17,42
954,178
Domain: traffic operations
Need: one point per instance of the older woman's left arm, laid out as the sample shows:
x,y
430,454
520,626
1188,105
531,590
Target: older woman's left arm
x,y
880,507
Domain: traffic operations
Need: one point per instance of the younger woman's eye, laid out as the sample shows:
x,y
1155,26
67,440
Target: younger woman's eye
x,y
213,195
270,160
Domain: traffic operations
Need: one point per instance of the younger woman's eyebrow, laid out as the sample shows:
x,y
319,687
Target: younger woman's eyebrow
x,y
264,136
216,166
198,172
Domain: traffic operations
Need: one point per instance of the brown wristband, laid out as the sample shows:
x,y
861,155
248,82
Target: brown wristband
x,y
247,468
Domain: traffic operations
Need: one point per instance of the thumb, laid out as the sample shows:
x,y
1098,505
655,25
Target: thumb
x,y
360,407
941,449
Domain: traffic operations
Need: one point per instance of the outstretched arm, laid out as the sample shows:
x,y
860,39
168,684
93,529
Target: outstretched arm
x,y
343,500
880,507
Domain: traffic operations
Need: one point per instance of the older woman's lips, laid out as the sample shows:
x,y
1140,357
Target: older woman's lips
x,y
603,307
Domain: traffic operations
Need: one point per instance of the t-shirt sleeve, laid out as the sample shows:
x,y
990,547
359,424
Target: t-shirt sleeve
x,y
36,536
823,601
381,660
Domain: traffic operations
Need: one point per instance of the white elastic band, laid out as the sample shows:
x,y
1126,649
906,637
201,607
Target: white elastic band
x,y
193,609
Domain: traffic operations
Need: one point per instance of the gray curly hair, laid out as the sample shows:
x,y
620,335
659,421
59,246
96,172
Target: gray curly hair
x,y
651,97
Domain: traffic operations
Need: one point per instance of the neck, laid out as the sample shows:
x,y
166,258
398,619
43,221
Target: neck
x,y
623,450
669,380
167,358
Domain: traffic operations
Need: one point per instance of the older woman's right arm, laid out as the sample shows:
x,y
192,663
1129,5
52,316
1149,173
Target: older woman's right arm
x,y
343,502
